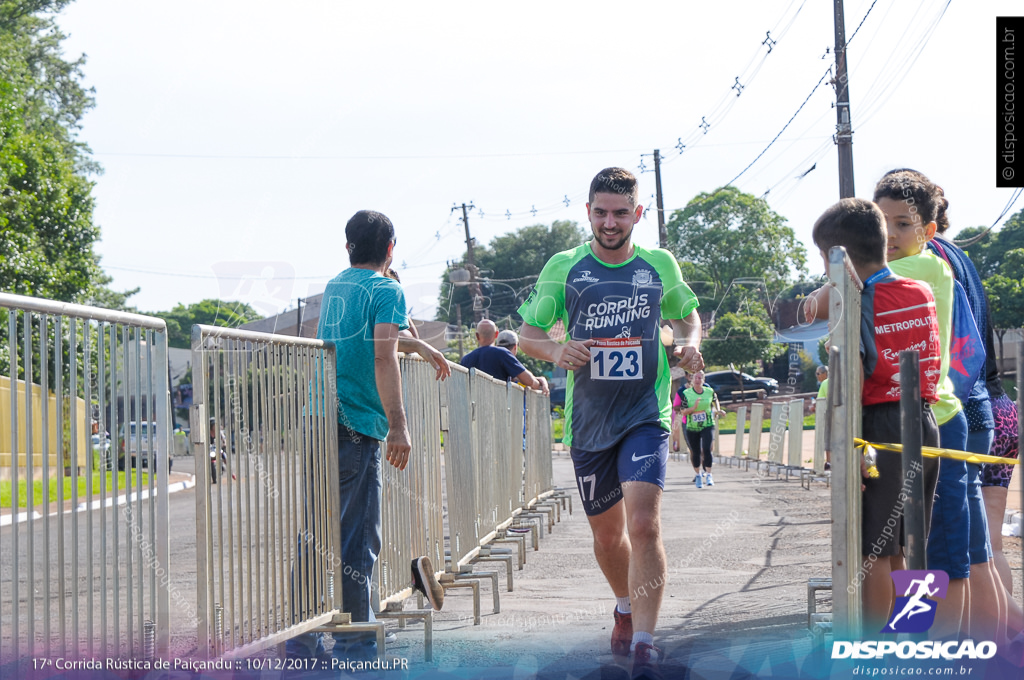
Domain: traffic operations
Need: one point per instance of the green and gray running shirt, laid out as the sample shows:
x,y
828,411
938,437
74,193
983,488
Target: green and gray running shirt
x,y
627,382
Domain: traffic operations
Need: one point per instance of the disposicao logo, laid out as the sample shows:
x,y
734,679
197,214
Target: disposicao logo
x,y
914,612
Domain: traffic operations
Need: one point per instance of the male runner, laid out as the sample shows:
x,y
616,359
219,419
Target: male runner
x,y
610,295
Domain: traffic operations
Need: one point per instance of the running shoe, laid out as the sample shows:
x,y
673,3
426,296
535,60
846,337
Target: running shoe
x,y
622,633
708,481
646,662
423,580
699,481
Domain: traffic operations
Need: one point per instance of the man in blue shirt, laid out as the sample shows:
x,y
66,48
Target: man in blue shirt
x,y
364,315
498,362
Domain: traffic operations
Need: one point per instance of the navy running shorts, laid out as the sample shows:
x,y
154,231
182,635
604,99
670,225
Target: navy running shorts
x,y
640,456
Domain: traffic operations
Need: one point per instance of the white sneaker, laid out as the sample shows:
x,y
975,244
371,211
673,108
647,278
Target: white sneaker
x,y
707,479
699,481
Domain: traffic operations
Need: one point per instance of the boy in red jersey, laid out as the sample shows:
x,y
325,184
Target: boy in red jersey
x,y
896,314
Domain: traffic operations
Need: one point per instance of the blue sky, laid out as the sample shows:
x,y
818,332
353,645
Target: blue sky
x,y
238,137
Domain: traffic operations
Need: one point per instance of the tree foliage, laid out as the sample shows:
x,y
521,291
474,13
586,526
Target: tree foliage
x,y
989,254
508,268
209,312
727,237
46,206
743,339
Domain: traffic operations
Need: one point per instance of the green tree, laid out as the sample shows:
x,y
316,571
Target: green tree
x,y
507,270
744,339
46,205
728,239
989,253
1006,303
209,312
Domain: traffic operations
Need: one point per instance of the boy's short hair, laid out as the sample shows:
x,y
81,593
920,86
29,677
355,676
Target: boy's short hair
x,y
368,233
615,181
857,225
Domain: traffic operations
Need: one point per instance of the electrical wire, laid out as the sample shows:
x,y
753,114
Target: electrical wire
x,y
978,237
799,109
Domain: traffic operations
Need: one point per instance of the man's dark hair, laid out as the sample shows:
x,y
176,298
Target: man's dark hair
x,y
615,181
368,233
857,225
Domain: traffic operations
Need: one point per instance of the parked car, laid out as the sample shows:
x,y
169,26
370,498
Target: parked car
x,y
557,397
732,385
137,445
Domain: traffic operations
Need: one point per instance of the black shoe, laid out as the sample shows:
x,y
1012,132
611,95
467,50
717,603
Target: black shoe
x,y
424,581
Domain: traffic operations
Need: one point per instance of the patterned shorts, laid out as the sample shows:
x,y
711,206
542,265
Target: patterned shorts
x,y
1004,443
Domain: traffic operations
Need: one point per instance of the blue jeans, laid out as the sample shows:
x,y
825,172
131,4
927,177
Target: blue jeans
x,y
360,484
980,543
948,541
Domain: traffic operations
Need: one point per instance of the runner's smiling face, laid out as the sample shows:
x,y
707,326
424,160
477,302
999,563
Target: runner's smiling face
x,y
612,217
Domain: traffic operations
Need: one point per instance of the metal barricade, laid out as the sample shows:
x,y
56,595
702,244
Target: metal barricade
x,y
460,465
796,433
741,427
539,475
267,506
411,512
84,576
820,426
845,387
777,431
492,447
756,427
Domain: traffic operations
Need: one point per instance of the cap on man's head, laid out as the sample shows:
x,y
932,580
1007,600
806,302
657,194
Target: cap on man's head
x,y
507,339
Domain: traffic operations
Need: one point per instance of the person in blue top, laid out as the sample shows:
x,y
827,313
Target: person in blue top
x,y
496,361
610,295
364,315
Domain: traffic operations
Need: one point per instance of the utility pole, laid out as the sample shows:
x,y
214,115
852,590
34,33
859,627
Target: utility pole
x,y
474,285
844,129
662,233
298,329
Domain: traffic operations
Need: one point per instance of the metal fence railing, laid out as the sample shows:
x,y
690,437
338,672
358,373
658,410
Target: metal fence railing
x,y
484,459
539,482
845,386
268,538
412,506
84,562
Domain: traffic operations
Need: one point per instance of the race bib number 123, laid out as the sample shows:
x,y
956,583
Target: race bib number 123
x,y
616,359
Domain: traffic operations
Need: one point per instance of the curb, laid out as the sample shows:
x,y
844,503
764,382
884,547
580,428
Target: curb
x,y
6,520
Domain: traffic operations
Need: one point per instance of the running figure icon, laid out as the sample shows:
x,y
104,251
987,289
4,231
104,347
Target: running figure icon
x,y
914,605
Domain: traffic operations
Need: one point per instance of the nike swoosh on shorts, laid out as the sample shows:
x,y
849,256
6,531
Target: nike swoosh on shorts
x,y
635,459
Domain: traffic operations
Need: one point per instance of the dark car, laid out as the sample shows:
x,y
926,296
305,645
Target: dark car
x,y
733,385
558,397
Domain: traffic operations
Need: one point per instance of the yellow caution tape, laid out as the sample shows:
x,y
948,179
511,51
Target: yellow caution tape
x,y
935,452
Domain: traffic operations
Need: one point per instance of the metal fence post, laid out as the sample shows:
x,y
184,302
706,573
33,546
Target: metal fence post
x,y
911,437
845,378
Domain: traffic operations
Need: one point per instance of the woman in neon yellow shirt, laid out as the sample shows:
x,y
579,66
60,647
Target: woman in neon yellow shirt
x,y
701,407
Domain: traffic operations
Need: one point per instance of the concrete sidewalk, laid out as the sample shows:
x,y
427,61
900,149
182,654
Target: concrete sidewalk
x,y
739,556
734,605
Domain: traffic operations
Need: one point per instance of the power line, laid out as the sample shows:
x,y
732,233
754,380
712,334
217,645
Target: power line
x,y
978,237
807,99
296,157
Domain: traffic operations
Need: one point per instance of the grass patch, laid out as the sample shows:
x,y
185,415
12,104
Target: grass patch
x,y
727,423
60,488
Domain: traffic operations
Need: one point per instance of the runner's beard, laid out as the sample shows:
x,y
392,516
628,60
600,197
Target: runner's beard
x,y
616,245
